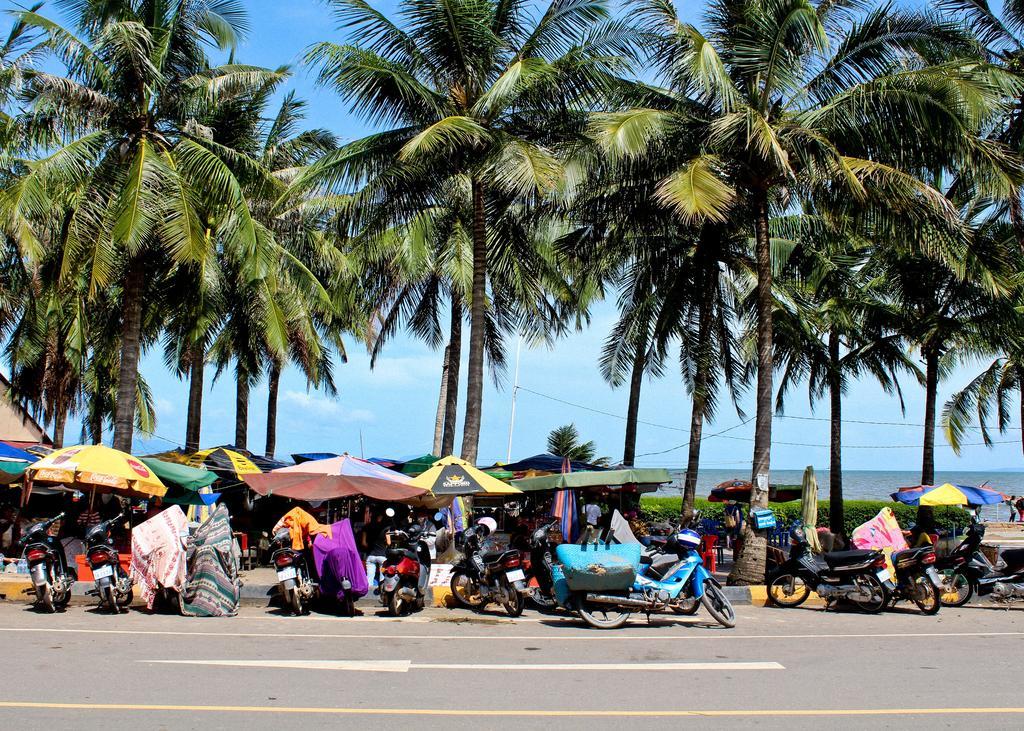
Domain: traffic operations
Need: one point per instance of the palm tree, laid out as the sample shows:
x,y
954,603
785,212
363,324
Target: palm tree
x,y
833,323
772,101
134,159
480,89
564,441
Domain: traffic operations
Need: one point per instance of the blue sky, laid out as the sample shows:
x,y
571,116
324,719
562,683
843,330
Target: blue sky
x,y
393,406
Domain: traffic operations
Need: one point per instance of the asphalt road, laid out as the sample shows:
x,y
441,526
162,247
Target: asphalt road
x,y
801,668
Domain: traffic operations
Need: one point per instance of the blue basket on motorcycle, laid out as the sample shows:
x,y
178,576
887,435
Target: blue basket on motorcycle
x,y
762,519
560,585
599,566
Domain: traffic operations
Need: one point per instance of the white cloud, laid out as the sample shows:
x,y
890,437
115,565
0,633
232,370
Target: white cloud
x,y
312,404
164,407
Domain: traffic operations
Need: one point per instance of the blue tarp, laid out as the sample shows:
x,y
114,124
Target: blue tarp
x,y
547,463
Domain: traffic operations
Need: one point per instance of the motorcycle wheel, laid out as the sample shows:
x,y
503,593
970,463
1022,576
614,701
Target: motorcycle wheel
x,y
126,599
959,589
396,605
465,592
787,590
515,601
295,602
348,607
718,604
925,594
60,602
110,599
600,616
880,597
44,598
540,599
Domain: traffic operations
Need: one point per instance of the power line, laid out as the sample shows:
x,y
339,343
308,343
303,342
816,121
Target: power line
x,y
620,417
702,439
875,423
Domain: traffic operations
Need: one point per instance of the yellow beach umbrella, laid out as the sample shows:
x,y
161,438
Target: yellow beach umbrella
x,y
452,476
97,468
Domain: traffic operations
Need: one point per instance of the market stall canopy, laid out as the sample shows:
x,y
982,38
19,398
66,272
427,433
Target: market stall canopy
x,y
739,490
948,494
327,479
184,483
13,462
99,469
453,476
228,462
548,463
419,465
608,478
313,456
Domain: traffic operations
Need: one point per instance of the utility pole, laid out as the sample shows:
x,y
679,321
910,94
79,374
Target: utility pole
x,y
515,390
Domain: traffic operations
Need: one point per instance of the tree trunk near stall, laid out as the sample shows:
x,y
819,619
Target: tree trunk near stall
x,y
128,369
442,402
241,408
60,420
636,382
274,385
836,518
451,407
750,565
194,418
701,380
477,325
926,514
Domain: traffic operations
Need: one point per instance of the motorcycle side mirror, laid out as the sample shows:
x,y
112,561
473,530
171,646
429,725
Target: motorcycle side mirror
x,y
390,512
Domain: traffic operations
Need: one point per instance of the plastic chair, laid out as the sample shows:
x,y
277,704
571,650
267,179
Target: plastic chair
x,y
709,548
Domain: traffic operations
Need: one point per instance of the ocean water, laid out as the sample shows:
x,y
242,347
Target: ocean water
x,y
865,484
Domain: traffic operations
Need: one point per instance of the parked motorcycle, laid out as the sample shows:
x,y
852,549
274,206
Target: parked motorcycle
x,y
52,578
495,578
539,578
296,586
966,571
916,579
113,585
860,577
406,570
685,581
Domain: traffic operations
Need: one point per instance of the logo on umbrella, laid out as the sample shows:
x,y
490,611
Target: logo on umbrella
x,y
456,481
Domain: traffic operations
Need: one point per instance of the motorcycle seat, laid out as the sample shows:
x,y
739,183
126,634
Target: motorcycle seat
x,y
1013,557
847,558
492,557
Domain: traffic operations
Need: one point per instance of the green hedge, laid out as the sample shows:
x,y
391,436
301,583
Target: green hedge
x,y
856,512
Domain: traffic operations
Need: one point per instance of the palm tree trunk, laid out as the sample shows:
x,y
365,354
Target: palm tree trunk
x,y
442,401
128,370
926,514
194,418
931,358
451,406
636,382
836,519
60,420
701,379
274,386
477,324
750,565
241,408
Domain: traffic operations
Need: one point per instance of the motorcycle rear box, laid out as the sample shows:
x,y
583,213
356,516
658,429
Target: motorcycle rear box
x,y
599,567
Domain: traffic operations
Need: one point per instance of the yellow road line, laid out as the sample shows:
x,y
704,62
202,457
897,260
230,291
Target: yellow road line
x,y
511,712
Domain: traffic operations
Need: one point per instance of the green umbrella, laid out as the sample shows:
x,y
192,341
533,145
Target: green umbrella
x,y
184,482
419,465
809,509
609,478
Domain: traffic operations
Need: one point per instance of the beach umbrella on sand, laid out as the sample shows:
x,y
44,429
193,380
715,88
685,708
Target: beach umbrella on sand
x,y
96,469
948,494
809,509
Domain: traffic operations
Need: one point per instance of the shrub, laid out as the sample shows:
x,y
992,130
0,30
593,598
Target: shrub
x,y
856,512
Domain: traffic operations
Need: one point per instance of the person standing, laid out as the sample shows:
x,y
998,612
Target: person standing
x,y
591,517
1020,509
734,524
1010,502
375,544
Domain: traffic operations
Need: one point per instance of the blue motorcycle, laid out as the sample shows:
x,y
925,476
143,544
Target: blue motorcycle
x,y
591,592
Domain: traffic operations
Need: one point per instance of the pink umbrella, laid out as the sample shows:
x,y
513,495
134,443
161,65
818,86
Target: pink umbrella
x,y
326,479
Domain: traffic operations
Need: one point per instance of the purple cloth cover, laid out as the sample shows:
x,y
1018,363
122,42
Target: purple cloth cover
x,y
337,558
